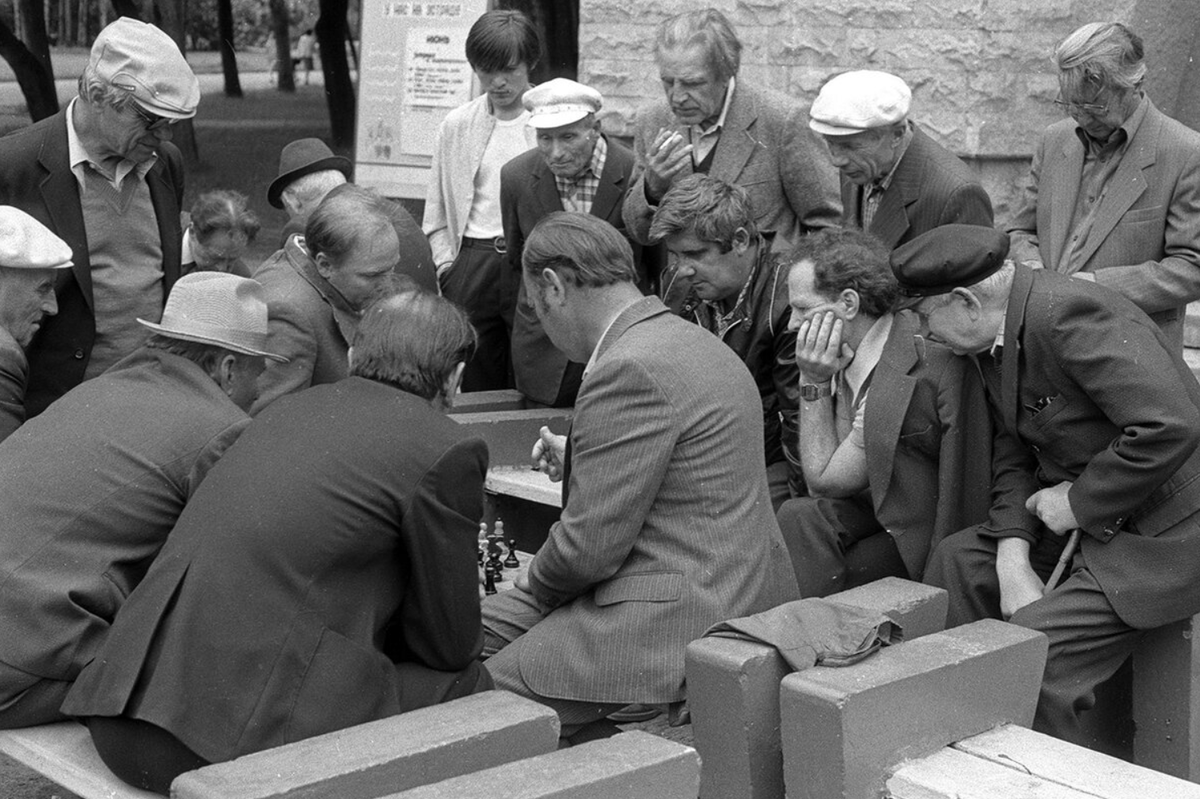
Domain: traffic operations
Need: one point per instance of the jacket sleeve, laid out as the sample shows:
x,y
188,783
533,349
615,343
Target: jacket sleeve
x,y
637,212
810,182
435,222
1022,228
289,334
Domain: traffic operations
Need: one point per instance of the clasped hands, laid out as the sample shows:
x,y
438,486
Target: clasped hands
x,y
820,351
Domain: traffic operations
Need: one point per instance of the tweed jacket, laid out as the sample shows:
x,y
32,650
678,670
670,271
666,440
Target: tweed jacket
x,y
667,526
1096,395
1145,243
528,193
766,148
309,323
89,491
927,431
332,547
930,187
35,176
461,142
14,374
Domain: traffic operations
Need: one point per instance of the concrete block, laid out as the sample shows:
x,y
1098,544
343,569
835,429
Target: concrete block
x,y
843,729
385,756
64,753
632,765
733,692
510,435
505,399
1166,700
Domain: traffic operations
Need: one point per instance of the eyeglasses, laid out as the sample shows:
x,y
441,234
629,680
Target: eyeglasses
x,y
151,121
1082,108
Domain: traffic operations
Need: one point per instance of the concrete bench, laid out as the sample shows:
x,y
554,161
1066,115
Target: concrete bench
x,y
733,692
1014,761
506,399
1166,700
362,762
845,729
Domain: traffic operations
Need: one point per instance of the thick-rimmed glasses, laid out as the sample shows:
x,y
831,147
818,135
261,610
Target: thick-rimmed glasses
x,y
151,121
1091,109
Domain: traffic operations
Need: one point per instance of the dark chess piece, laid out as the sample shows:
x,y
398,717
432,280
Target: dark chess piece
x,y
511,561
489,580
493,562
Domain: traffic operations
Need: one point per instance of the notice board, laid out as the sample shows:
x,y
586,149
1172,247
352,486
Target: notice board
x,y
414,70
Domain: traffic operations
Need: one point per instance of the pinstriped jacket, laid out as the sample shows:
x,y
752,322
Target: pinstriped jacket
x,y
667,526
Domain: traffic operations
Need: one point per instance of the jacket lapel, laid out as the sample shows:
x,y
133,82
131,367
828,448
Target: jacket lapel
x,y
544,190
884,418
612,186
1014,323
1062,178
737,141
60,194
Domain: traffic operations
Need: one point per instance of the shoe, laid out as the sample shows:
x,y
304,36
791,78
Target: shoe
x,y
631,714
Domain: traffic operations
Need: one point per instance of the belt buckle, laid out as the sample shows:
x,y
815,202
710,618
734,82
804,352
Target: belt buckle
x,y
499,245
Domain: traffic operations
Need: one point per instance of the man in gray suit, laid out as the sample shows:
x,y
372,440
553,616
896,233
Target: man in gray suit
x,y
713,122
1114,191
666,525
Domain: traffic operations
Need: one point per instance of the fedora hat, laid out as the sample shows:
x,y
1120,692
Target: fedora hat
x,y
220,309
303,157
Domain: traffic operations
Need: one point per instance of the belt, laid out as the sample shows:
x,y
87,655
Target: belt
x,y
496,244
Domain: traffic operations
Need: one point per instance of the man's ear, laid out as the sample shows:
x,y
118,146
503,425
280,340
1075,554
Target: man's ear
x,y
554,288
451,384
851,302
970,300
741,241
324,265
222,372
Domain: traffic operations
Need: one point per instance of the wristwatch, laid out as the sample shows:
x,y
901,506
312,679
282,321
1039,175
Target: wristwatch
x,y
814,391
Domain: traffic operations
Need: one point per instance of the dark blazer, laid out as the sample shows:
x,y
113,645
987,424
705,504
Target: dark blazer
x,y
766,148
1146,240
527,194
35,176
1098,396
14,374
667,526
928,432
931,187
331,549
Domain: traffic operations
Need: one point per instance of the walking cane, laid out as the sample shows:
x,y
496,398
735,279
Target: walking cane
x,y
1063,559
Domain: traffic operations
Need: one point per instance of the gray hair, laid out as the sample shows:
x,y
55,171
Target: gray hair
x,y
96,91
1101,54
708,28
583,249
311,188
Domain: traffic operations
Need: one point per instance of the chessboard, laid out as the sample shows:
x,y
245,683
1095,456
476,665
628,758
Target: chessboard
x,y
499,559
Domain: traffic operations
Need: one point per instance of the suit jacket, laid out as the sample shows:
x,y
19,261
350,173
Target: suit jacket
x,y
928,431
527,194
334,545
766,147
930,187
667,526
1098,396
309,323
35,176
14,374
89,491
1145,243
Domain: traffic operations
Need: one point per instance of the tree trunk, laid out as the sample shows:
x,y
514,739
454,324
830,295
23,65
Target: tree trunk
x,y
233,86
127,8
183,134
81,33
283,46
31,64
331,30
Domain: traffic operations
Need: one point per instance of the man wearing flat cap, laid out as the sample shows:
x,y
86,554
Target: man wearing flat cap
x,y
103,175
897,182
1102,421
574,167
91,487
1114,191
29,254
714,122
308,171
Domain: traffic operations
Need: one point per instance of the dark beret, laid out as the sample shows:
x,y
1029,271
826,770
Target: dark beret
x,y
948,257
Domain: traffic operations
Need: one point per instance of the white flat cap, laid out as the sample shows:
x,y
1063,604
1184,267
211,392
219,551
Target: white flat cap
x,y
860,100
26,243
560,102
146,62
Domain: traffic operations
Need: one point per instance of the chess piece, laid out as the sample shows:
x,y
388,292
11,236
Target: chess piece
x,y
489,580
483,531
493,562
511,562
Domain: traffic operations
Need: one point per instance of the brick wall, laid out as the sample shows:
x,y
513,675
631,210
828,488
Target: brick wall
x,y
980,71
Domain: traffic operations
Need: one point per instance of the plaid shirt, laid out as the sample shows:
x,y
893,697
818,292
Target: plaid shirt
x,y
578,194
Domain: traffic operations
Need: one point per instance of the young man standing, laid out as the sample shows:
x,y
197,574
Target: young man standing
x,y
462,204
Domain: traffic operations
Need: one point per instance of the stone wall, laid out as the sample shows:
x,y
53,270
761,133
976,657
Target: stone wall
x,y
980,70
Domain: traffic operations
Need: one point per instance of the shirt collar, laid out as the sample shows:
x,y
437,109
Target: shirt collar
x,y
869,351
80,158
596,350
999,342
901,149
720,123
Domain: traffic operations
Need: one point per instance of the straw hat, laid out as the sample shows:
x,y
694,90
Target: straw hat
x,y
220,309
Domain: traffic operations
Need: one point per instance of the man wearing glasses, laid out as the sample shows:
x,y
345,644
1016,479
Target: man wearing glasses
x,y
1114,191
103,175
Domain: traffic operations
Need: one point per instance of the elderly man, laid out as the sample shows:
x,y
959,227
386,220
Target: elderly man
x,y
738,292
1103,422
897,182
308,171
1114,191
324,575
103,175
895,434
318,285
710,122
666,526
575,167
29,254
91,488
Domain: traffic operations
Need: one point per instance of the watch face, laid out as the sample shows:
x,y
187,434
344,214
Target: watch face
x,y
810,392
